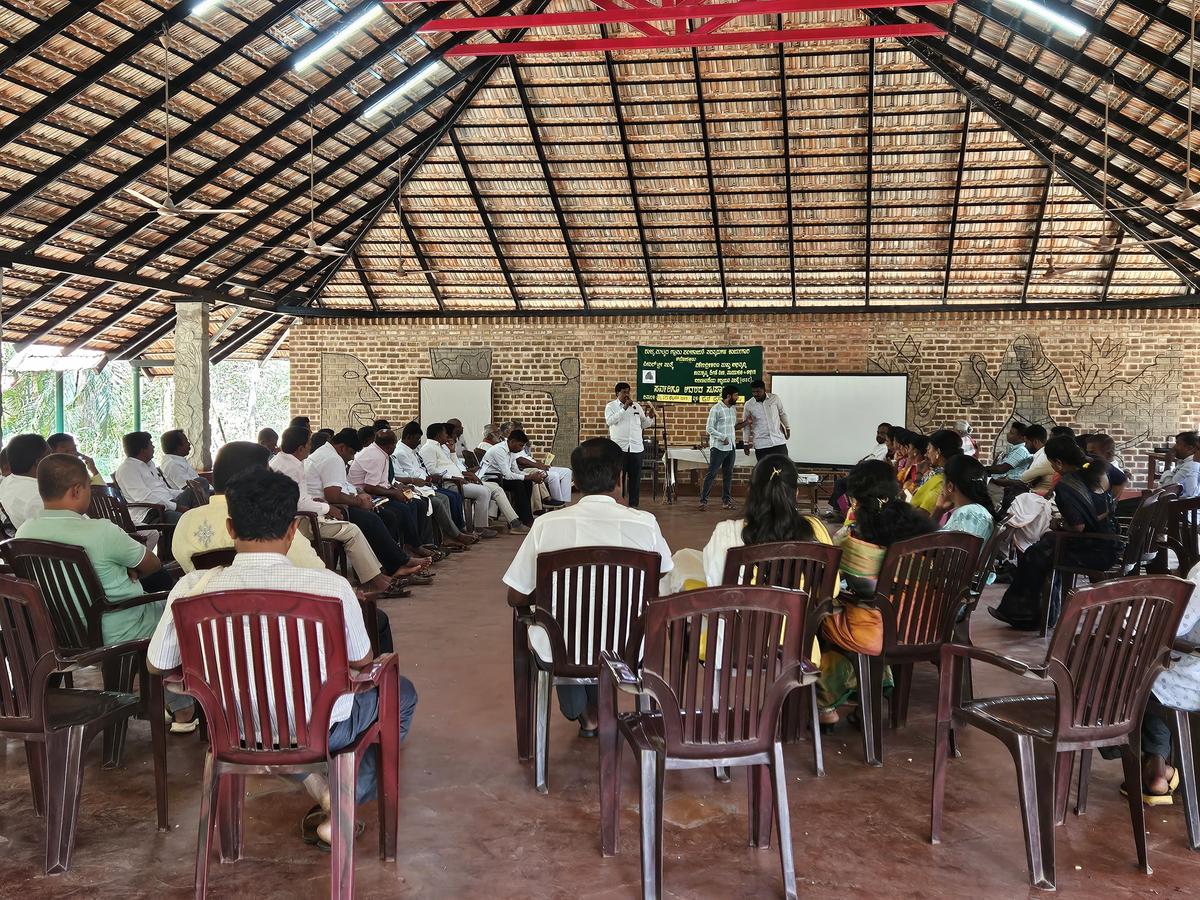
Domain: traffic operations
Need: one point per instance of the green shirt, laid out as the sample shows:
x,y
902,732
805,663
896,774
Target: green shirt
x,y
113,553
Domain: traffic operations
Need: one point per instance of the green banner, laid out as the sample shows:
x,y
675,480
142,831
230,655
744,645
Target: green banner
x,y
695,374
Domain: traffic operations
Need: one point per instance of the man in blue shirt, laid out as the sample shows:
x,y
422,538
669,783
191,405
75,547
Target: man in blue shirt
x,y
1015,460
722,446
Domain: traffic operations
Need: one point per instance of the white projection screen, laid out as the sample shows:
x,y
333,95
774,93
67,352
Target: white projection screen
x,y
834,417
466,399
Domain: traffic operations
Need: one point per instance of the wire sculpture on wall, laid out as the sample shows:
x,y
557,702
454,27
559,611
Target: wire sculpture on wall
x,y
564,396
460,362
348,399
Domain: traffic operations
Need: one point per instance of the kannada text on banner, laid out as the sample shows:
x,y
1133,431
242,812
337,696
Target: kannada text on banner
x,y
695,374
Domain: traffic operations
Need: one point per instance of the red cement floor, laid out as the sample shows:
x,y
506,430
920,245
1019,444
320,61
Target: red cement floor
x,y
471,825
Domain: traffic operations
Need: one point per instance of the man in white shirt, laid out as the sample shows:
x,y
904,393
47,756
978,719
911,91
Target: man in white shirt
x,y
626,419
596,520
880,450
722,428
262,509
65,443
360,554
439,460
326,478
765,427
500,465
140,480
19,491
176,469
1185,472
407,468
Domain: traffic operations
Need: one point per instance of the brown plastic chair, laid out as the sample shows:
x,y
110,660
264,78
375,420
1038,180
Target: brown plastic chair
x,y
922,585
76,603
1139,546
1183,532
1109,645
238,649
706,715
212,559
587,600
56,724
795,565
332,553
107,503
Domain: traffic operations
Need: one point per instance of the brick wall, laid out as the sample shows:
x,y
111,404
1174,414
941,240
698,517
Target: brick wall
x,y
1122,371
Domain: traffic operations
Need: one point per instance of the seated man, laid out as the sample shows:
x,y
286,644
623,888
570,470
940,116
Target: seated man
x,y
409,469
19,493
140,480
177,470
261,524
334,527
1185,472
119,560
499,464
269,439
65,443
557,481
439,460
598,519
1015,461
1038,476
838,501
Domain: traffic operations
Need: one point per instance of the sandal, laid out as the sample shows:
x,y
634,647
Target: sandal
x,y
359,828
308,825
1159,799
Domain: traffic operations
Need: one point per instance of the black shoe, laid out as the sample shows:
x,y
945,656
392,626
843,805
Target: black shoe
x,y
1015,624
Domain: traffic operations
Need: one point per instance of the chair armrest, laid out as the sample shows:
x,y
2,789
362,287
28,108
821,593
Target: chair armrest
x,y
159,506
1187,648
92,657
982,654
134,602
613,668
370,677
524,604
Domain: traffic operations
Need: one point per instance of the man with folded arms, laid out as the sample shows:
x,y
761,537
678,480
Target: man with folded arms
x,y
262,525
500,465
439,460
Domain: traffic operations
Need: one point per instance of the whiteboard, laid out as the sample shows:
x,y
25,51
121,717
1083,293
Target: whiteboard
x,y
834,417
467,399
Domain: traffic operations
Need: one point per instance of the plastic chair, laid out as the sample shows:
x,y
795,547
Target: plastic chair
x,y
1109,645
57,724
1183,532
587,600
332,553
75,602
212,559
1138,549
702,720
795,565
238,650
107,503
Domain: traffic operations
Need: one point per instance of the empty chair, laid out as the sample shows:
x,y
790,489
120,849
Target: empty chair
x,y
695,714
795,565
587,601
1109,645
56,724
248,659
922,585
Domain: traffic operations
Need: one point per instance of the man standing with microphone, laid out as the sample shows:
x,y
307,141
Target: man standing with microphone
x,y
625,420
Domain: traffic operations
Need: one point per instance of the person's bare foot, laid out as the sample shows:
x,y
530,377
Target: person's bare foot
x,y
1156,775
466,539
414,566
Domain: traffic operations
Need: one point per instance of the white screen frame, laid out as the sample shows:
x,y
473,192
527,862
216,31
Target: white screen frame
x,y
834,415
466,399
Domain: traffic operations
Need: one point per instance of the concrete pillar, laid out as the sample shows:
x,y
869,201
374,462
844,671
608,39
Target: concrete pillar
x,y
192,404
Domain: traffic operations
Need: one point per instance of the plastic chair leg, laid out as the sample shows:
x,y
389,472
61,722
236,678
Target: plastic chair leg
x,y
1132,761
522,690
64,783
652,784
783,822
941,752
208,807
610,770
389,768
870,703
342,773
158,739
541,776
818,747
1186,762
758,785
232,794
1035,787
35,757
721,773
898,708
118,676
1085,776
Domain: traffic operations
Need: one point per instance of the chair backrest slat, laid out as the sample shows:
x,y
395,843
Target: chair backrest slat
x,y
728,698
1111,642
70,588
242,649
1148,523
27,645
590,599
107,503
922,585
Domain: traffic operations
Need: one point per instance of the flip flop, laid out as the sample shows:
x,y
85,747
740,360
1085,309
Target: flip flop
x,y
389,593
1159,799
359,828
308,825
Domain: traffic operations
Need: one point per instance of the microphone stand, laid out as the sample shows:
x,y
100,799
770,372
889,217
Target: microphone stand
x,y
669,482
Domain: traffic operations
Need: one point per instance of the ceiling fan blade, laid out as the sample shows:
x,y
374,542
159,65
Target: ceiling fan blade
x,y
209,211
153,204
1167,240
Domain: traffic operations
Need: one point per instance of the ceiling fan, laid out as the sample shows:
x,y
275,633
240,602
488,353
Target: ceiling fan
x,y
1109,244
169,207
310,247
402,272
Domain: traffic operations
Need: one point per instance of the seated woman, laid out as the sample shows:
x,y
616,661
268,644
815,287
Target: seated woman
x,y
1103,446
965,492
919,470
943,444
881,517
1086,507
902,441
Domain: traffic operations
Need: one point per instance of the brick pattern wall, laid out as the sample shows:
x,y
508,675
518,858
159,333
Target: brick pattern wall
x,y
1123,371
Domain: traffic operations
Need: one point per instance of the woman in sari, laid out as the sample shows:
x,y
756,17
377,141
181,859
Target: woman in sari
x,y
1085,507
965,492
943,444
919,470
881,517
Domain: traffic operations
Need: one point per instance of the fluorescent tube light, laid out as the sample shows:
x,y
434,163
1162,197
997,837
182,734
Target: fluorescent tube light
x,y
407,81
204,7
49,358
352,27
1070,26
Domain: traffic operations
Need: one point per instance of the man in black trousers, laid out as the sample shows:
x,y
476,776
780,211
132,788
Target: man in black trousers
x,y
626,419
